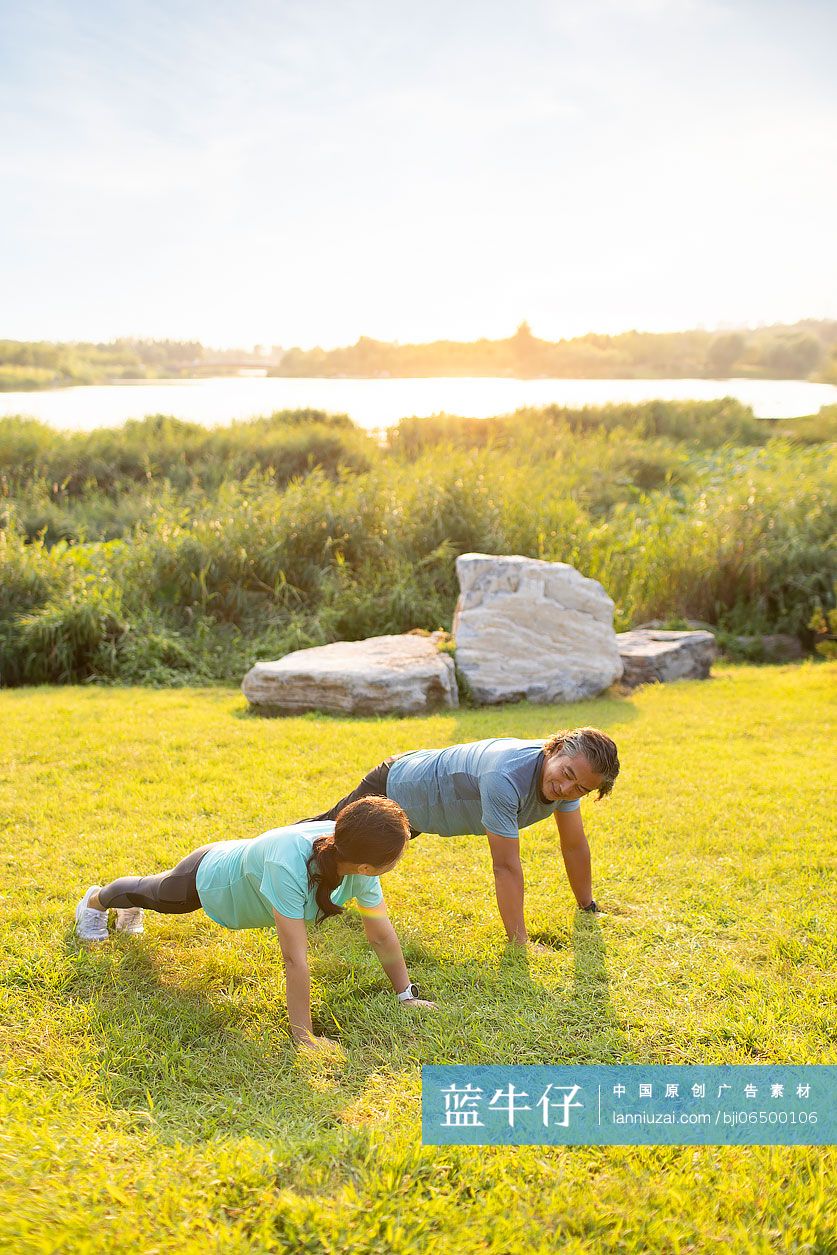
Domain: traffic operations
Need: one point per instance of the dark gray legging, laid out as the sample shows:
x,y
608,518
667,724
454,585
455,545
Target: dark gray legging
x,y
172,893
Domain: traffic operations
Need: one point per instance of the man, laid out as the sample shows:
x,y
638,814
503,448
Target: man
x,y
497,787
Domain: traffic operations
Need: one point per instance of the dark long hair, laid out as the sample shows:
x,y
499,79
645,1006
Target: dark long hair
x,y
596,746
371,830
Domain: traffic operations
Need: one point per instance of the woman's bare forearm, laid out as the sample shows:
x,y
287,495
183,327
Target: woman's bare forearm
x,y
384,941
298,994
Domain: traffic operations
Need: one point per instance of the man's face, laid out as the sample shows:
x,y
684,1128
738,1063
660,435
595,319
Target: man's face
x,y
565,778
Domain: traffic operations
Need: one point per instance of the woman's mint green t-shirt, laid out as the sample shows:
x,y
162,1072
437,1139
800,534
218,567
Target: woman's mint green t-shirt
x,y
241,883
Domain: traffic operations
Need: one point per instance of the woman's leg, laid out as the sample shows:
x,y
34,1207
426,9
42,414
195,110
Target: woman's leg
x,y
172,893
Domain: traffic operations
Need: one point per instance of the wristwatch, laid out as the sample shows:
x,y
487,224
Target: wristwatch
x,y
591,907
407,994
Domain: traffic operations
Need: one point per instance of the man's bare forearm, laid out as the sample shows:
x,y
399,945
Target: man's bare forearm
x,y
579,871
508,885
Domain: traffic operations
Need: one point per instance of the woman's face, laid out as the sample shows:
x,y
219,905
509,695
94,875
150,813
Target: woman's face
x,y
369,869
386,867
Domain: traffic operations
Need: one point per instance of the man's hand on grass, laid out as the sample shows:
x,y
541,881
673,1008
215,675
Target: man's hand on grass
x,y
424,1003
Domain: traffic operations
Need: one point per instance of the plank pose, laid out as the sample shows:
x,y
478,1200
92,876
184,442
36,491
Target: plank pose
x,y
497,787
281,879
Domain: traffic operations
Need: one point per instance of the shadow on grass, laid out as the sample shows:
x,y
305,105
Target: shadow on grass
x,y
248,711
508,1007
183,1065
517,719
533,722
190,1066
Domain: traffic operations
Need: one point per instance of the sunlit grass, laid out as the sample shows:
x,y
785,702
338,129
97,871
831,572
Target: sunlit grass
x,y
151,1098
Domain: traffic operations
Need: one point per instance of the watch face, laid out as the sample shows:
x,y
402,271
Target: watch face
x,y
414,991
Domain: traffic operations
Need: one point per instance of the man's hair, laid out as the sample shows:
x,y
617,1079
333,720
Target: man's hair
x,y
597,747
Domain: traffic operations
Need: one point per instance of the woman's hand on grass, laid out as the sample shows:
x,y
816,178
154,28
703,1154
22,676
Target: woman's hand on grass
x,y
316,1045
418,1002
528,946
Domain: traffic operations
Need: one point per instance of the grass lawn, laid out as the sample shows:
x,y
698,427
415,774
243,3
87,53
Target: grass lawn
x,y
151,1100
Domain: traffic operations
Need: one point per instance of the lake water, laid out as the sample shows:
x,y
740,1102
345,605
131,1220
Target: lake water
x,y
376,403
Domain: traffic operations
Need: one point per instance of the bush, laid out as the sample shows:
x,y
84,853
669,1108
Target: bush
x,y
200,580
182,455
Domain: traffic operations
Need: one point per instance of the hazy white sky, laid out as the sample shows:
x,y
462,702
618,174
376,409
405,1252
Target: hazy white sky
x,y
306,171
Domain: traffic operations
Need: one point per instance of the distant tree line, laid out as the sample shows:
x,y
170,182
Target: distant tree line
x,y
804,350
27,364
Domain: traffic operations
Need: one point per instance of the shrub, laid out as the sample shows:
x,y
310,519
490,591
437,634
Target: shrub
x,y
200,580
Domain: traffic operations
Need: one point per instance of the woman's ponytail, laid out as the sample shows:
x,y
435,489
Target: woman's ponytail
x,y
323,875
372,830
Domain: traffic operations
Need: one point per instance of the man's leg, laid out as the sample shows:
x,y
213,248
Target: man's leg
x,y
373,784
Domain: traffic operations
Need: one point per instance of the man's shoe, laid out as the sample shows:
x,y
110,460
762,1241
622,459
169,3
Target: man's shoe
x,y
129,920
91,925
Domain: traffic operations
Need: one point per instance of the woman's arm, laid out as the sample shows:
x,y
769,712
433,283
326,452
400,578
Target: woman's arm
x,y
293,940
383,939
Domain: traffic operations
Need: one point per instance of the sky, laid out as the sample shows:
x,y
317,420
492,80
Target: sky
x,y
309,171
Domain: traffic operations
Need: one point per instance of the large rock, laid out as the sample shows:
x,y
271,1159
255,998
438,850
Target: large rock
x,y
527,629
652,656
403,675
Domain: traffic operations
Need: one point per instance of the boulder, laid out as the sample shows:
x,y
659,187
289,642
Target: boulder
x,y
402,675
654,656
533,630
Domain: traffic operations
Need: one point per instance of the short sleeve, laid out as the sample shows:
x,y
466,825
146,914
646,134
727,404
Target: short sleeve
x,y
283,891
568,806
500,806
367,890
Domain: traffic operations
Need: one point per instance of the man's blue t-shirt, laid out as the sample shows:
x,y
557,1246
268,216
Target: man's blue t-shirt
x,y
241,883
483,785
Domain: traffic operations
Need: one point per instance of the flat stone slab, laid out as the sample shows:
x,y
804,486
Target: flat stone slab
x,y
532,630
654,656
404,675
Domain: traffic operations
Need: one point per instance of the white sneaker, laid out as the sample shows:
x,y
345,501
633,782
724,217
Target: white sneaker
x,y
91,925
129,920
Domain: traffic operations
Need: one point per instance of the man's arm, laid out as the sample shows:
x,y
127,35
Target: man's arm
x,y
576,854
508,885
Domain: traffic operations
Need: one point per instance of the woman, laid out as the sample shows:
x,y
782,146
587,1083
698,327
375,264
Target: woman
x,y
282,878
